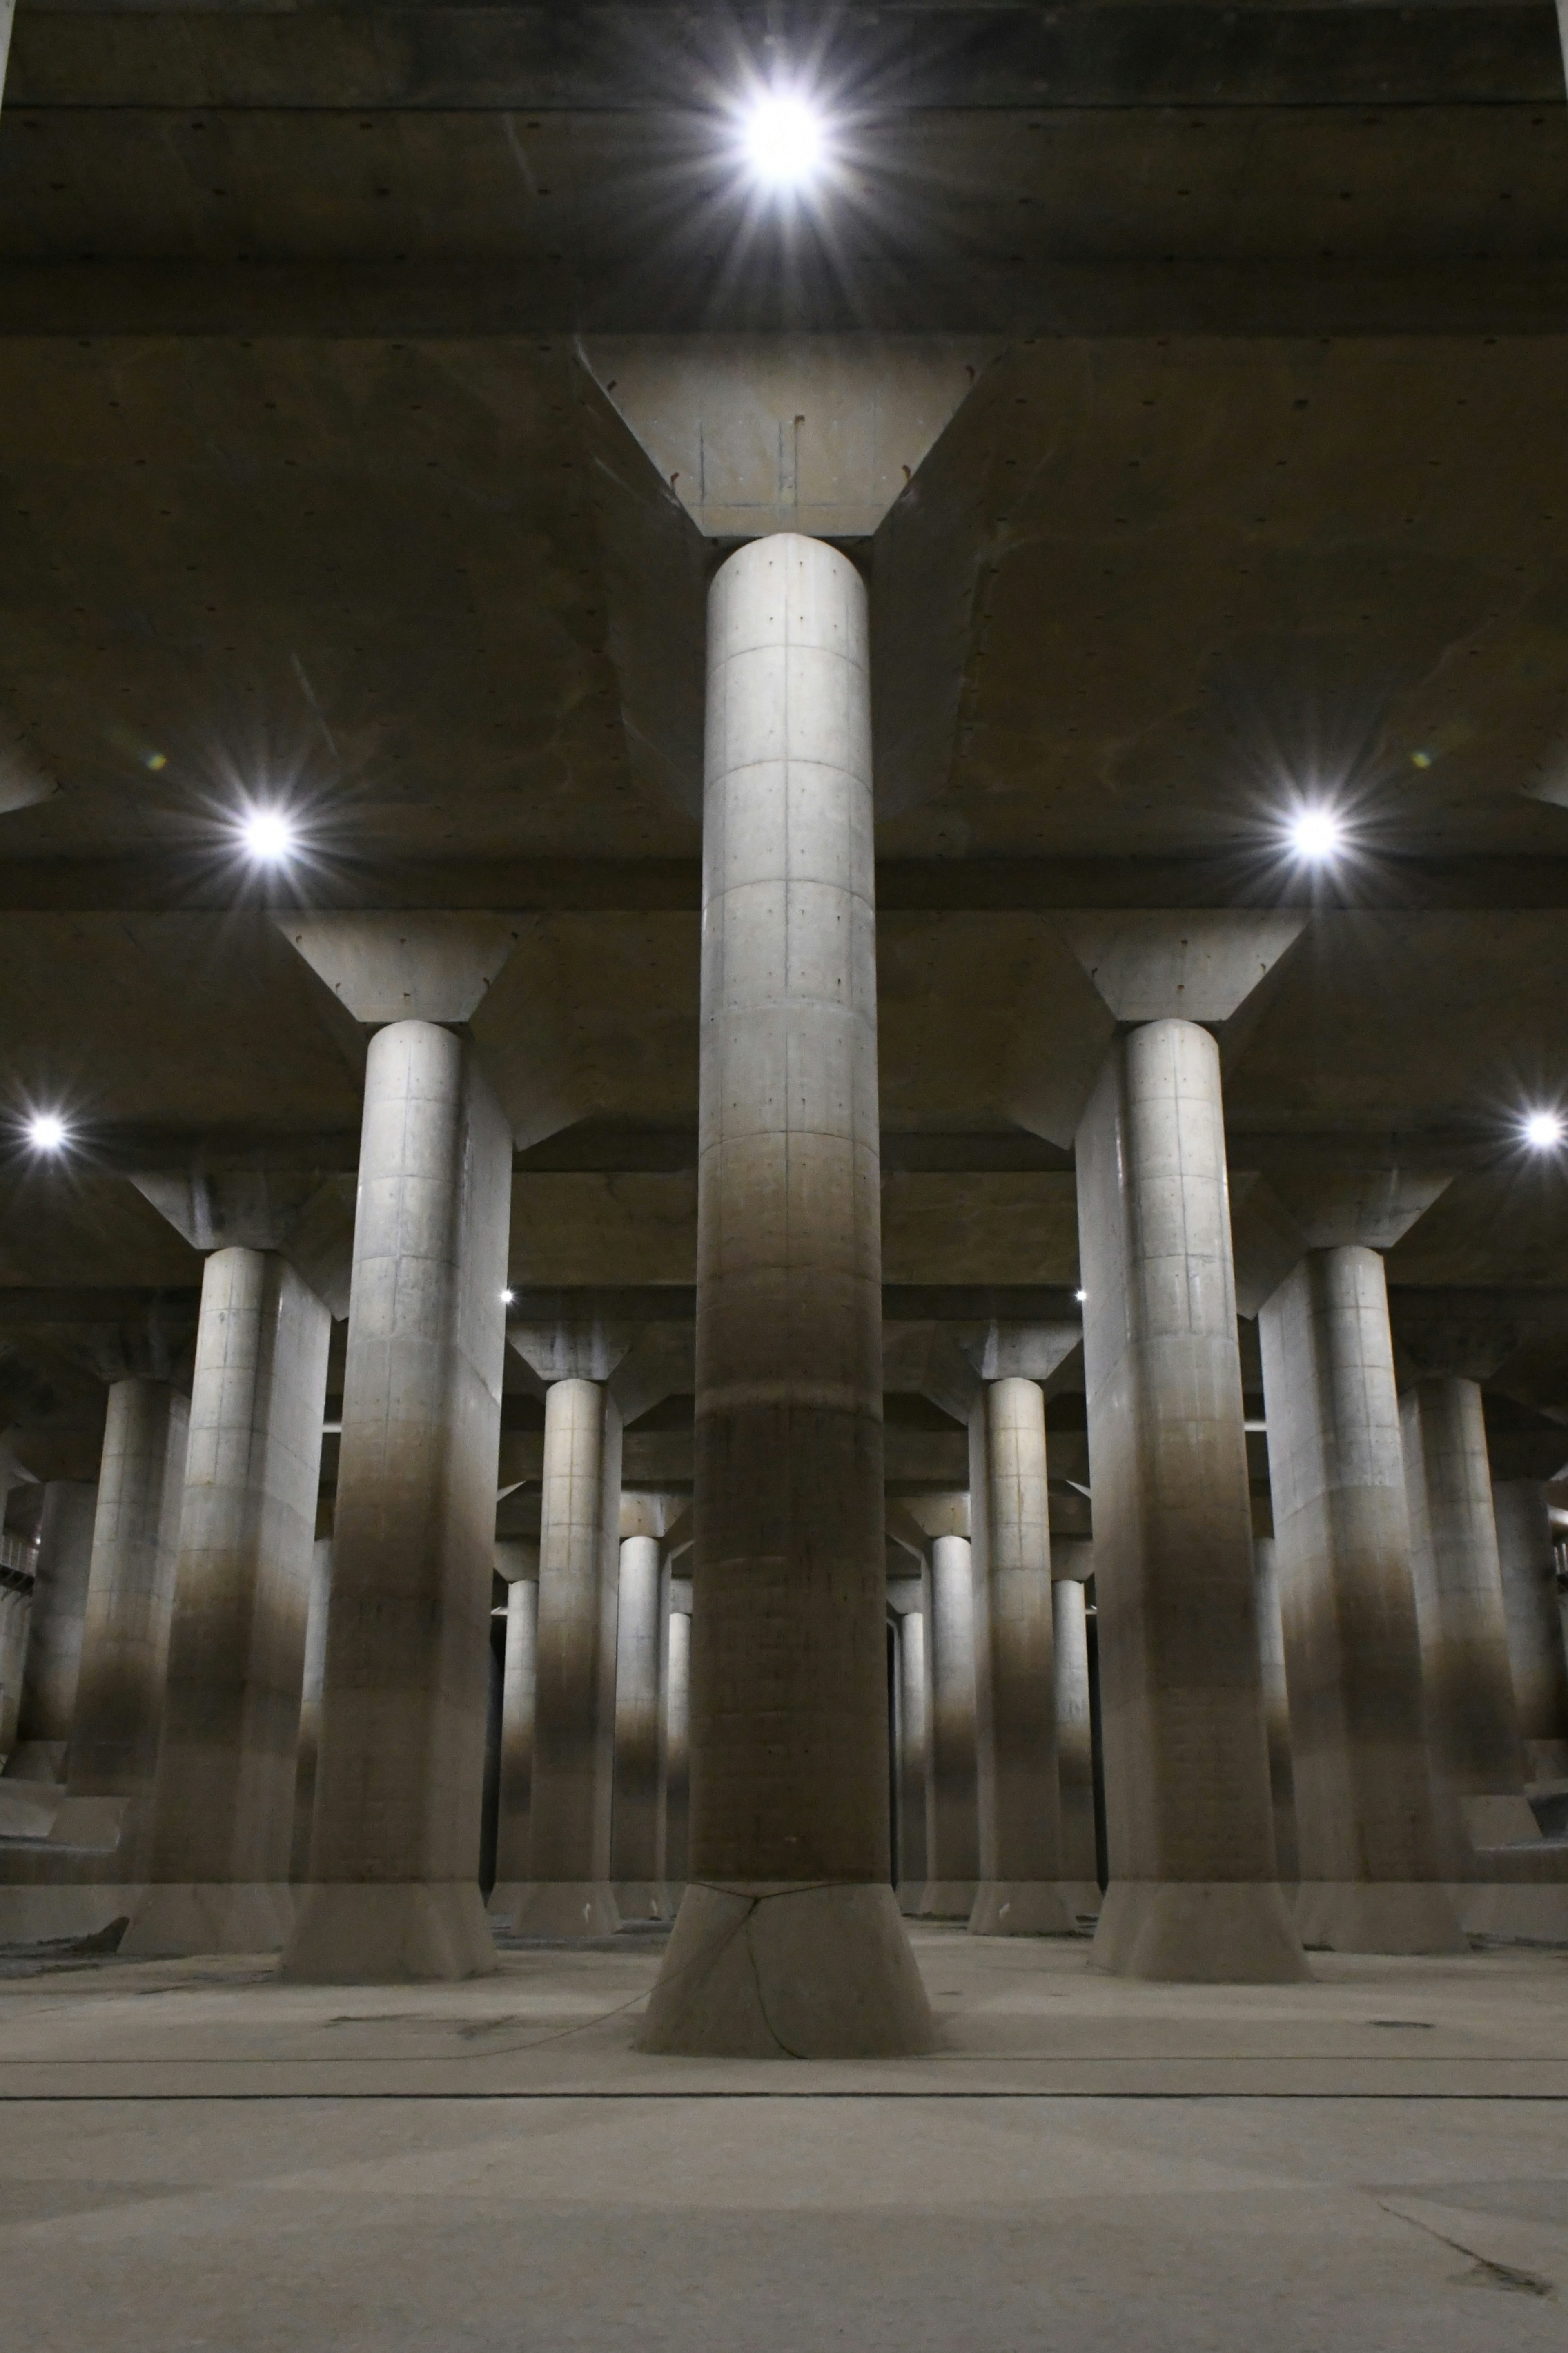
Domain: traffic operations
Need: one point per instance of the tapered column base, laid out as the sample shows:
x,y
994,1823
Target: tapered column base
x,y
1022,1907
252,1916
763,1970
1198,1932
400,1934
640,1899
1351,1915
566,1908
947,1899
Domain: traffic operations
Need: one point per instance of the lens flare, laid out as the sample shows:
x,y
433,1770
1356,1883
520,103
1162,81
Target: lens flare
x,y
46,1132
1544,1130
1316,834
269,836
785,140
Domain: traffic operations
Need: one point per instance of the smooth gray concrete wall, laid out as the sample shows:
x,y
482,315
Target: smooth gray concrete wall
x,y
1369,1854
568,1891
953,1819
1527,1557
394,1850
310,1744
53,1660
789,1938
1018,1805
114,1750
633,1834
1473,1717
224,1795
1190,1815
1075,1744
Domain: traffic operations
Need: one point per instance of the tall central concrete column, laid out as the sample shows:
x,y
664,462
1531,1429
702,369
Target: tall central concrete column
x,y
675,1745
54,1642
394,1850
789,1939
1371,1862
952,1820
224,1800
114,1750
1020,1892
1194,1893
1075,1746
1528,1562
1277,1710
308,1751
1477,1753
634,1835
568,1891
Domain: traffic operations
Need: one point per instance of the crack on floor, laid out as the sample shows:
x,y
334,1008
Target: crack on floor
x,y
1484,2271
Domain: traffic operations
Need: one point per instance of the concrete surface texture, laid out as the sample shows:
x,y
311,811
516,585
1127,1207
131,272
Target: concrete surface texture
x,y
1376,2155
312,1673
1538,1656
515,1788
395,1840
634,1854
223,1800
1193,1888
1369,1862
788,1923
952,1816
1277,1710
1075,1744
53,1652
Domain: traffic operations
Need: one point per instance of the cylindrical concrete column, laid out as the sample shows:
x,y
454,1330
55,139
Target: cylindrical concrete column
x,y
789,1937
634,1839
952,1820
1020,1892
675,1755
1369,1855
1528,1558
114,1749
568,1891
310,1744
1277,1710
518,1565
1473,1717
1189,1814
224,1798
914,1758
1075,1746
395,1849
15,1610
54,1641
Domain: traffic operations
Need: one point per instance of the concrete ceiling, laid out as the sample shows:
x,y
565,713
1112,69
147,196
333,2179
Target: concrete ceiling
x,y
307,484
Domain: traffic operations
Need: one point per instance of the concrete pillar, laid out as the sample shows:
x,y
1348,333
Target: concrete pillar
x,y
15,1610
1370,1862
914,1757
675,1755
1528,1558
789,1938
1190,1819
54,1643
952,1820
568,1891
395,1849
307,1752
114,1749
1020,1892
224,1797
634,1837
515,1797
1075,1746
1473,1717
1277,1710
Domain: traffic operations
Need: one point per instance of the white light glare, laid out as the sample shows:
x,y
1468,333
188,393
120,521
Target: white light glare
x,y
785,140
269,836
1080,1296
507,1297
46,1132
1544,1130
1317,834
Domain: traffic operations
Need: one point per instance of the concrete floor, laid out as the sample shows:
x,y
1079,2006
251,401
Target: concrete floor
x,y
192,2155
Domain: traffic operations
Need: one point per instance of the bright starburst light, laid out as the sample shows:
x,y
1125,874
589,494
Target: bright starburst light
x,y
1544,1130
269,836
1316,834
784,140
46,1132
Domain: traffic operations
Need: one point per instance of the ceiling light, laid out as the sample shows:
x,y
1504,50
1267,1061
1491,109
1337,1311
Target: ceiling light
x,y
269,836
1316,834
46,1132
784,139
1544,1130
1080,1296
